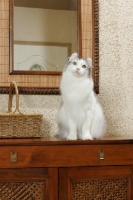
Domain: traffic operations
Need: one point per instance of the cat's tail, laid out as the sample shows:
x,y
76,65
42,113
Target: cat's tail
x,y
99,124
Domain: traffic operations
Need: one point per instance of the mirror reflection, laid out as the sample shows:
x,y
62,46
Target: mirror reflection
x,y
45,34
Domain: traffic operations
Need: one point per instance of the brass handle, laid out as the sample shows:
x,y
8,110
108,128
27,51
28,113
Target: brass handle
x,y
101,154
13,157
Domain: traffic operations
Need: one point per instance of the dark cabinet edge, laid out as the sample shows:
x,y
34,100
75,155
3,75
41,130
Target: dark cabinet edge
x,y
26,90
52,141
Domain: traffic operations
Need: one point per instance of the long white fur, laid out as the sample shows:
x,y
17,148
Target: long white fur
x,y
80,115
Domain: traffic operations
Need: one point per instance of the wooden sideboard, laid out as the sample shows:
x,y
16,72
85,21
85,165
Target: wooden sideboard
x,y
52,169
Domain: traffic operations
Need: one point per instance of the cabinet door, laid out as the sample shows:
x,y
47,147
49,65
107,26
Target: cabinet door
x,y
29,184
95,183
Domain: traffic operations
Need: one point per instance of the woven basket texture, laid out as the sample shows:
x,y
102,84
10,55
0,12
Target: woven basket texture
x,y
17,124
22,191
113,189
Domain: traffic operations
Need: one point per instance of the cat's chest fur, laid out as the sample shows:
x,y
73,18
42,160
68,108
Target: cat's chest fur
x,y
72,85
76,92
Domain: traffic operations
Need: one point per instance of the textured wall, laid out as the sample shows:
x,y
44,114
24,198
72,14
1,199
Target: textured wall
x,y
116,64
116,73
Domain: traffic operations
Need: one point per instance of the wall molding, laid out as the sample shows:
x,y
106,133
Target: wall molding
x,y
96,46
30,91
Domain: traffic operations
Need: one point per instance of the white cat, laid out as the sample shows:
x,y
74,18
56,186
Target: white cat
x,y
80,115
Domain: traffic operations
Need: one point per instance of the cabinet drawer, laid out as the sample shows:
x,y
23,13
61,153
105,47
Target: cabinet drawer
x,y
65,155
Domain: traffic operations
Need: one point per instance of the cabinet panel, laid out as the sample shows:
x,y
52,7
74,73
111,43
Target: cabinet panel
x,y
97,183
22,190
68,155
34,183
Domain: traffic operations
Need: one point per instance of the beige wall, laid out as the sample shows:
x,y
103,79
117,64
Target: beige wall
x,y
116,73
116,65
30,25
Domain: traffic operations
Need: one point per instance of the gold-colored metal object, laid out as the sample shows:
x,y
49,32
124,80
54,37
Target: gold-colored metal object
x,y
101,154
13,157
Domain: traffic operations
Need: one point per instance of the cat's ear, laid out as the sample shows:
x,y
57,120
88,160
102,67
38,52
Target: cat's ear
x,y
89,62
73,56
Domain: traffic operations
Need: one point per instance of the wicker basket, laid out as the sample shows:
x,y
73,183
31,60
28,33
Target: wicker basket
x,y
17,124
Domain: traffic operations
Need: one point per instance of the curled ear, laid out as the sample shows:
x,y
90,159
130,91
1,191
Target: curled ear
x,y
73,56
89,62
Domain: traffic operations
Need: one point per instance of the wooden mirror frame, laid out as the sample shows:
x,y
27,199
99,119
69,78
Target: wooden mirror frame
x,y
54,89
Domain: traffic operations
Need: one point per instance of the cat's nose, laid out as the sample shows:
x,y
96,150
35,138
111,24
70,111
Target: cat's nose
x,y
77,68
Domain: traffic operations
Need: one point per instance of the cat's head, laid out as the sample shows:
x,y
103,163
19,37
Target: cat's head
x,y
79,66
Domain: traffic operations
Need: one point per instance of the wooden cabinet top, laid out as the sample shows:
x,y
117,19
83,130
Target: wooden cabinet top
x,y
52,152
48,141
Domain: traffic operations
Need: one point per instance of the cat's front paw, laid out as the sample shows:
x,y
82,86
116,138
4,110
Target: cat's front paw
x,y
71,137
61,134
86,137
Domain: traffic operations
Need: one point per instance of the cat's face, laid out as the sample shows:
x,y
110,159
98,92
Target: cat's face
x,y
78,66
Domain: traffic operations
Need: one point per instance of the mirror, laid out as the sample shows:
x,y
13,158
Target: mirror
x,y
40,81
45,35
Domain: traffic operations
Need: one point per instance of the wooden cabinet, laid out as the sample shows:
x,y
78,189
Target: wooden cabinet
x,y
100,183
51,169
29,184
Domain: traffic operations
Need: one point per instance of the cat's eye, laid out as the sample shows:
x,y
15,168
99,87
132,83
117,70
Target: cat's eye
x,y
74,63
84,66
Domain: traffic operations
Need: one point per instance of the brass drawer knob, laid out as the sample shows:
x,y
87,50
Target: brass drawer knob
x,y
101,154
13,157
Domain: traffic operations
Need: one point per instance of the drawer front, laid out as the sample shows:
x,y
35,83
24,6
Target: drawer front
x,y
65,155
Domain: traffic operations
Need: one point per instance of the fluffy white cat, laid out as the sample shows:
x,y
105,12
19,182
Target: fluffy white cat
x,y
80,115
